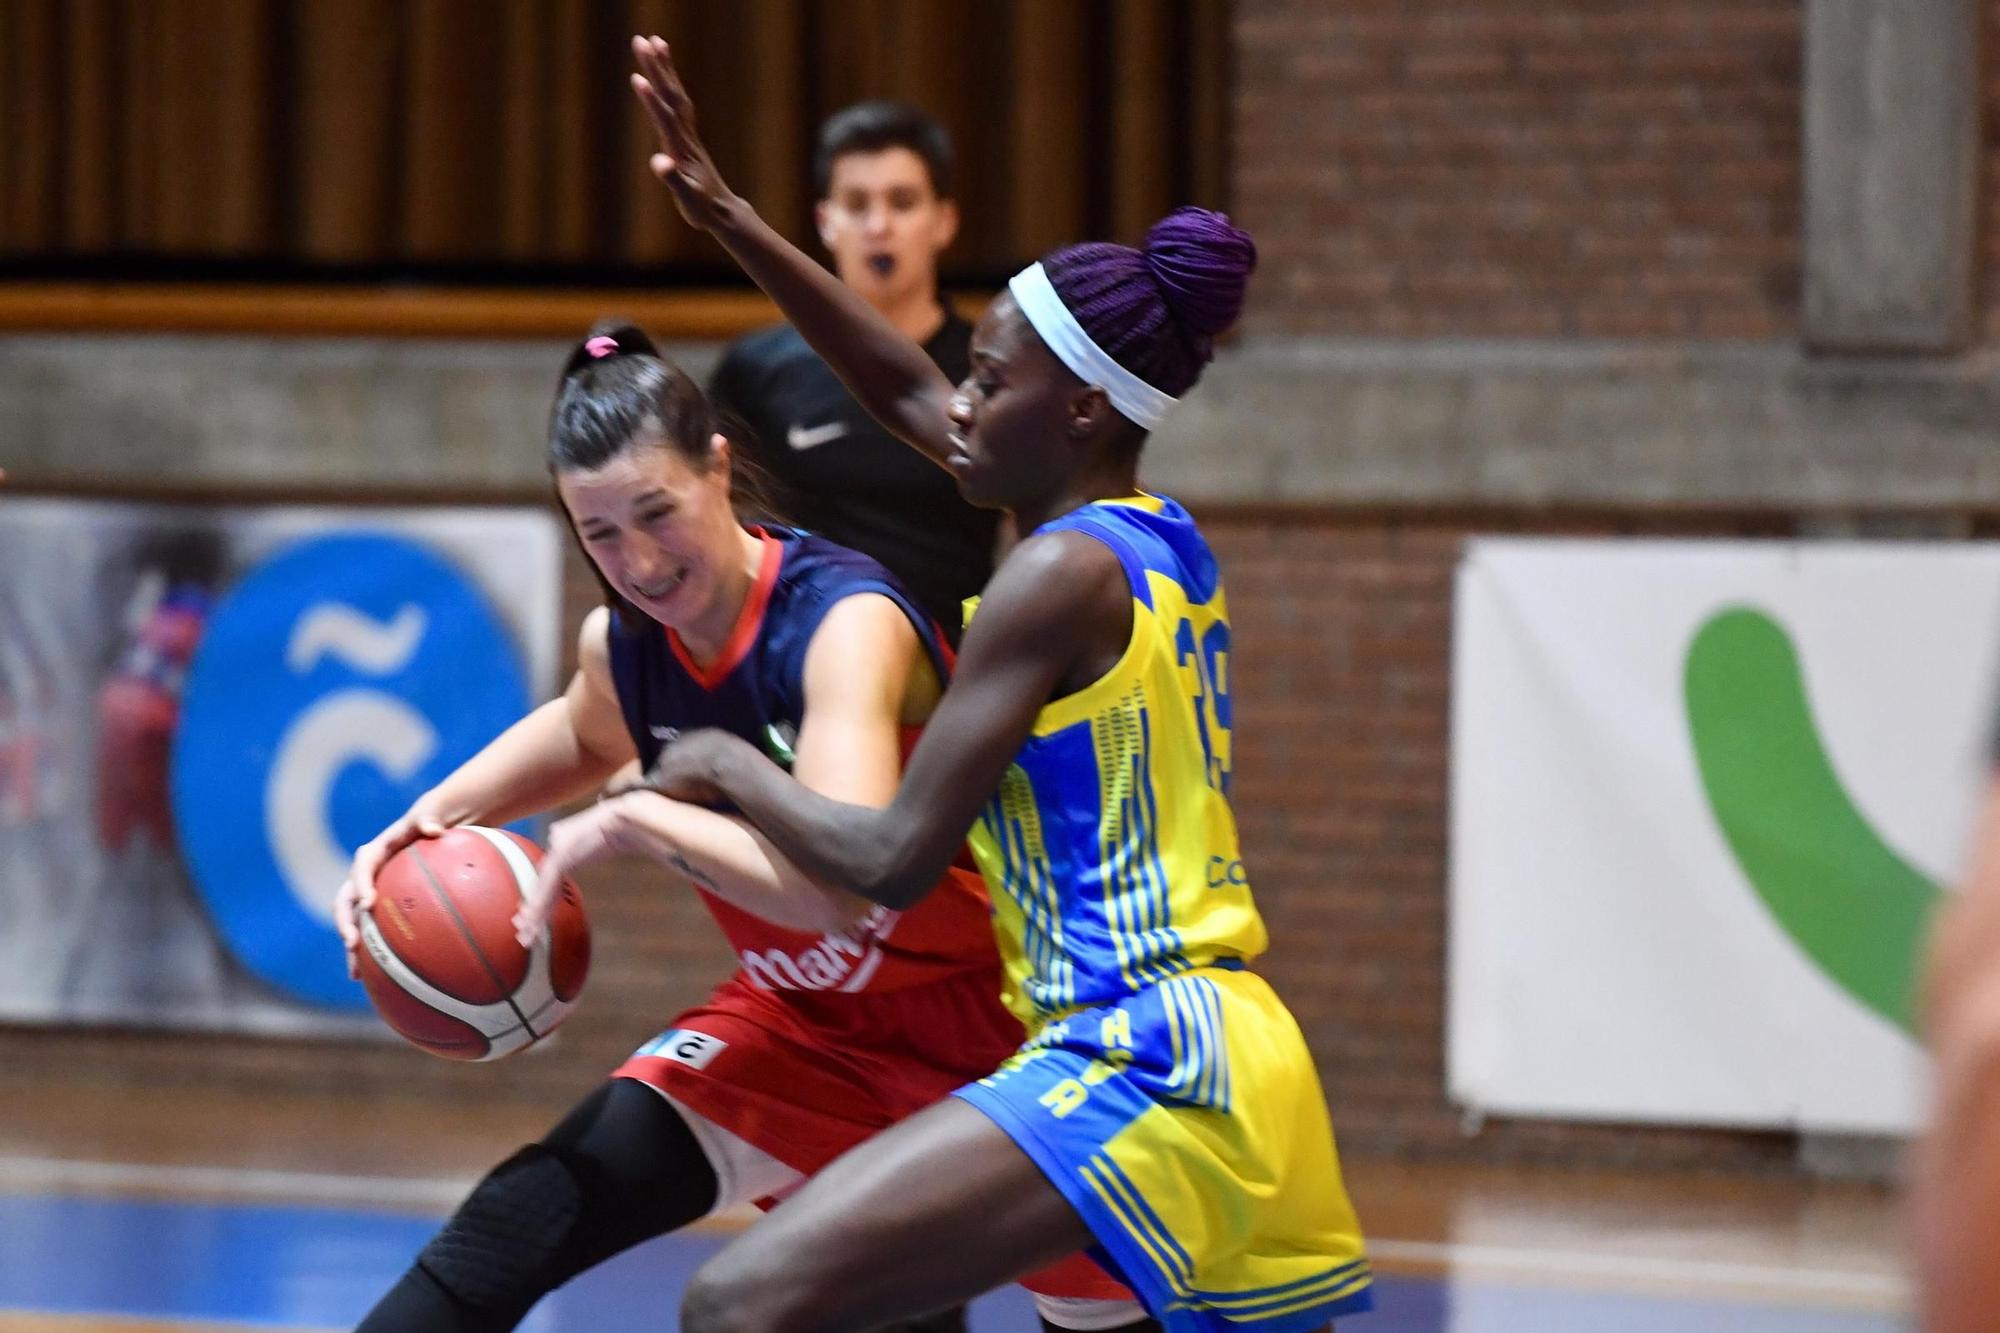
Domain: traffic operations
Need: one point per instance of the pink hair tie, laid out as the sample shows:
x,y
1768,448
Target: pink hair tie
x,y
601,346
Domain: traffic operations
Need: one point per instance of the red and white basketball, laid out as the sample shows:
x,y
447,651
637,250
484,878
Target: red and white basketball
x,y
439,957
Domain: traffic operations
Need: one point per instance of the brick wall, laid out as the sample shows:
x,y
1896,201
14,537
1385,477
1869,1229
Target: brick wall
x,y
1342,684
1598,168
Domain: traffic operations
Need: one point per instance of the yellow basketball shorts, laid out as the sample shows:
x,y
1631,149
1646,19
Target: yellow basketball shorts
x,y
1185,1124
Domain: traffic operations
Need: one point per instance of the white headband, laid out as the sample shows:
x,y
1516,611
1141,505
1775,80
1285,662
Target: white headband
x,y
1136,400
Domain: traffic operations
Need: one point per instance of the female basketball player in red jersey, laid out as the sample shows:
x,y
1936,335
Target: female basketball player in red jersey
x,y
1165,1105
845,1016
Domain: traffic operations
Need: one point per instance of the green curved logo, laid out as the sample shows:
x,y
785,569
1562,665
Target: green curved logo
x,y
1858,909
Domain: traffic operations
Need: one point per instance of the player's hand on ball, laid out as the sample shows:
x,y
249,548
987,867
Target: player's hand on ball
x,y
357,894
589,835
682,164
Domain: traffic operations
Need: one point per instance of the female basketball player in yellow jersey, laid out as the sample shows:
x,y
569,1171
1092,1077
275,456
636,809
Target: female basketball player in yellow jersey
x,y
1165,1106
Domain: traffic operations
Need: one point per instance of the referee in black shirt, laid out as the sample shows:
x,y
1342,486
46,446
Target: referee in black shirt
x,y
885,213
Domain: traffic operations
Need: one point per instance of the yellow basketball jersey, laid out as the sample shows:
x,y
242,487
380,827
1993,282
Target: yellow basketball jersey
x,y
1110,846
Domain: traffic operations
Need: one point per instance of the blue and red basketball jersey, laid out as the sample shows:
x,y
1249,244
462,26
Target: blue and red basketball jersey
x,y
755,689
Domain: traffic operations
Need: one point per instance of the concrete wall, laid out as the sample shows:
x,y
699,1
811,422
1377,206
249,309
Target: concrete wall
x,y
1278,420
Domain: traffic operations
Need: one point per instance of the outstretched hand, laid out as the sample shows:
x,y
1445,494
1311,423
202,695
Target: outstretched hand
x,y
689,768
685,769
587,836
682,164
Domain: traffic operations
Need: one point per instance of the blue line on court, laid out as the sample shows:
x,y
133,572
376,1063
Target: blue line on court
x,y
288,1267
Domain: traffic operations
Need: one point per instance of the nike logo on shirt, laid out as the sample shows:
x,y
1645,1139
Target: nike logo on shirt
x,y
812,437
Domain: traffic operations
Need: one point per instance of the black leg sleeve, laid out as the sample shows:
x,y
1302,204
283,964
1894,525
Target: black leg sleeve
x,y
620,1168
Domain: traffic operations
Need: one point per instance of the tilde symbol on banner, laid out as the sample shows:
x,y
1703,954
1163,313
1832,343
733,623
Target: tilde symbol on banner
x,y
346,727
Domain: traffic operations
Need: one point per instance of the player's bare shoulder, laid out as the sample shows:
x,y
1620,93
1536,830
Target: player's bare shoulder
x,y
1060,592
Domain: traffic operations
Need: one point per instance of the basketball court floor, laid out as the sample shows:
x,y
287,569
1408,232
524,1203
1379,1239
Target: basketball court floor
x,y
206,1211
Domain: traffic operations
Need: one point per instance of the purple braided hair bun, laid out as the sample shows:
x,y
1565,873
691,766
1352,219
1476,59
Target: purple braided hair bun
x,y
1158,310
1202,262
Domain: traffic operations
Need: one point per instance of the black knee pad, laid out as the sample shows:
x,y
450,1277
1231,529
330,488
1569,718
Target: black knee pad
x,y
508,1243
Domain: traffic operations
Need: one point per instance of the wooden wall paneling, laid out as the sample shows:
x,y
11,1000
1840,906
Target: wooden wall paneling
x,y
1048,162
859,68
853,53
718,54
346,121
133,41
413,132
183,176
1142,157
729,65
581,125
453,143
213,64
525,72
777,169
14,112
977,106
923,51
653,232
247,134
361,311
1210,53
91,96
29,130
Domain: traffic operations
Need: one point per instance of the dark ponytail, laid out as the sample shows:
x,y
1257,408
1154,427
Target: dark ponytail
x,y
616,391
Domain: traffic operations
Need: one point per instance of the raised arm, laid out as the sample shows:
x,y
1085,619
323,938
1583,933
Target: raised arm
x,y
891,377
1048,610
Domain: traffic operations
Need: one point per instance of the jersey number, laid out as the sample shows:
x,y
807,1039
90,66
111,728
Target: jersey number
x,y
1210,660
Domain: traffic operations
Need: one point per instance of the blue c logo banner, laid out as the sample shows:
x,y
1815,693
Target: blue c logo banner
x,y
335,684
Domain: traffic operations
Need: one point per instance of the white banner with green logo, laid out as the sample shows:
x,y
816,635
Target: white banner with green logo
x,y
1705,797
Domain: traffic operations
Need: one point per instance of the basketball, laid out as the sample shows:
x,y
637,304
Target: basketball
x,y
440,961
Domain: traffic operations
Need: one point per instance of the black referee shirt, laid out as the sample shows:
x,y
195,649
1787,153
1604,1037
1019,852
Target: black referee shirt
x,y
832,470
